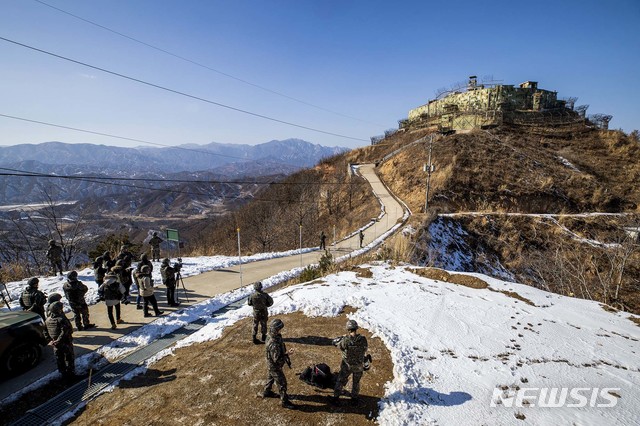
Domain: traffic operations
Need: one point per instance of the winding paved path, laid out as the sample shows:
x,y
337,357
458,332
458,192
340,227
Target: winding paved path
x,y
208,284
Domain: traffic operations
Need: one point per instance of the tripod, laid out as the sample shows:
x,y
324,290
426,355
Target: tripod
x,y
178,281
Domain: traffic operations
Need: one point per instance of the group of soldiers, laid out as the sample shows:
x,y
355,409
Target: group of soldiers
x,y
114,277
58,329
353,347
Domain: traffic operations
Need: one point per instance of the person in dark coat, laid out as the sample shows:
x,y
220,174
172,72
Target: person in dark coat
x,y
113,291
323,240
354,347
124,276
361,235
33,299
277,355
58,329
75,290
54,254
168,273
260,301
98,271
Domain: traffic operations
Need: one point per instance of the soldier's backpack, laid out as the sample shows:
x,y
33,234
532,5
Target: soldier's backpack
x,y
318,375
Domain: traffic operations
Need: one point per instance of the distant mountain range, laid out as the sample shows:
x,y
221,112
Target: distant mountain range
x,y
214,161
291,152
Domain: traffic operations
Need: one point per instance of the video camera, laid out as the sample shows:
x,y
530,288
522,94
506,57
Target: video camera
x,y
178,265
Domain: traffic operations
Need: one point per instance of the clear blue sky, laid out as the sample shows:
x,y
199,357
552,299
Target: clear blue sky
x,y
367,59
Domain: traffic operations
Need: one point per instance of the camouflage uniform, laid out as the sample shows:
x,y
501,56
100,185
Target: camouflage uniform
x,y
33,299
260,301
54,254
75,290
155,246
276,353
353,347
59,330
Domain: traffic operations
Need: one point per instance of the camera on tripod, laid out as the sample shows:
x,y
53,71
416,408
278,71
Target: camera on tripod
x,y
178,265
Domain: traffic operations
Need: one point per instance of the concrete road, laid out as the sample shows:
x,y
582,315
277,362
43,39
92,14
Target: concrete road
x,y
209,284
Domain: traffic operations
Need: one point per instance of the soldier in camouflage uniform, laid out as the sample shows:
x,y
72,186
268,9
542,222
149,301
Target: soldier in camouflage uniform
x,y
277,356
260,301
54,254
75,290
33,299
155,246
53,297
59,330
353,347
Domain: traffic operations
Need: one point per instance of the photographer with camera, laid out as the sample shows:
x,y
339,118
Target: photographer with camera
x,y
168,273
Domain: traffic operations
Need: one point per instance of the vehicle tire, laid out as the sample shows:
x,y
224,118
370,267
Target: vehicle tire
x,y
21,357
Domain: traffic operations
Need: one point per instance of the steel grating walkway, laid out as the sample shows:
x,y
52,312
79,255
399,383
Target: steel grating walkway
x,y
81,391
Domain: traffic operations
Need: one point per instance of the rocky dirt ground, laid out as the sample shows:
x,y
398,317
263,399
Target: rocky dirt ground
x,y
216,383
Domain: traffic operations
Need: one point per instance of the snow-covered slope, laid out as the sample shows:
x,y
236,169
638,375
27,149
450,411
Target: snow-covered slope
x,y
461,355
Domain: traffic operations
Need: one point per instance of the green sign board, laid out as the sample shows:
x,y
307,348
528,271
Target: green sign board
x,y
172,235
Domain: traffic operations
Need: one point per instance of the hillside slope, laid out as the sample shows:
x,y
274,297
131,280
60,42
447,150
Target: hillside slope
x,y
464,347
502,185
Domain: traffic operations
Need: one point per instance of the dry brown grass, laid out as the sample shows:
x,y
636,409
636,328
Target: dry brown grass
x,y
514,295
216,382
442,275
634,319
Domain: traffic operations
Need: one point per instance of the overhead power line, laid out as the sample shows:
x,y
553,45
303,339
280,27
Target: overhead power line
x,y
177,92
111,181
26,173
182,58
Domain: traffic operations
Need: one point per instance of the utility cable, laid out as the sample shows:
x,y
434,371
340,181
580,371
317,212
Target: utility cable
x,y
175,55
111,181
26,173
177,92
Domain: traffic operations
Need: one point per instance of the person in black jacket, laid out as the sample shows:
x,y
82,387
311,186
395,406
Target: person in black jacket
x,y
168,273
113,291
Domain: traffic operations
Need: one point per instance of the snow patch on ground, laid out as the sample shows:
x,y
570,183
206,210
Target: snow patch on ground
x,y
453,345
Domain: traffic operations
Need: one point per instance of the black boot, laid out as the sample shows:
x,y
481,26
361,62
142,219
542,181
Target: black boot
x,y
256,341
286,403
268,394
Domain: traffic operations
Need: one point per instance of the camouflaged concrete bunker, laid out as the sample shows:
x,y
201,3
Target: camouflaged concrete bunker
x,y
484,106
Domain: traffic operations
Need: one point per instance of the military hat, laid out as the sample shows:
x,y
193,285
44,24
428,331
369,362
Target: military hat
x,y
276,324
56,307
352,325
